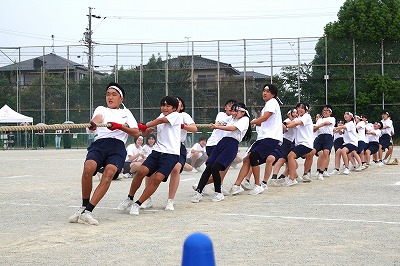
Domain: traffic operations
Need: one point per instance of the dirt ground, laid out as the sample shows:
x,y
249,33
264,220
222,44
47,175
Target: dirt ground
x,y
344,220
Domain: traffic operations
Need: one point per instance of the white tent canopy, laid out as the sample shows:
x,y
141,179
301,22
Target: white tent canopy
x,y
8,115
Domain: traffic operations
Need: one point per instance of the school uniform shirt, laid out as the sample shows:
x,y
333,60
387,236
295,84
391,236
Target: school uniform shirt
x,y
272,127
374,137
169,134
337,135
187,120
361,131
242,124
197,147
147,150
350,134
217,134
133,150
326,129
121,116
290,132
304,133
389,123
368,127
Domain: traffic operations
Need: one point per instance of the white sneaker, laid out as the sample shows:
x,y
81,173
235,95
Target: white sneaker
x,y
299,179
87,218
236,190
346,171
127,175
196,198
289,182
74,218
169,206
325,174
125,205
224,191
320,177
134,209
218,197
246,184
359,169
385,161
335,172
204,192
194,170
146,204
306,178
380,164
269,183
256,190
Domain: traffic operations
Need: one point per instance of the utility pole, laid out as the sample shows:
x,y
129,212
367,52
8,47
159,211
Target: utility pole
x,y
89,43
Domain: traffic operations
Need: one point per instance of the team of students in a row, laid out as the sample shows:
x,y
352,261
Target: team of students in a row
x,y
168,156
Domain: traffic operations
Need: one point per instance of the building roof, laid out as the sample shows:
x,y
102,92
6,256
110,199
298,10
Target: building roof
x,y
255,75
199,62
51,62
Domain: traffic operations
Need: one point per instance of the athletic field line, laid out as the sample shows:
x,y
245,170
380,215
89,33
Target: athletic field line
x,y
311,218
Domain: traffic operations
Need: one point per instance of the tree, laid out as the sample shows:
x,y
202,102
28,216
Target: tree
x,y
366,26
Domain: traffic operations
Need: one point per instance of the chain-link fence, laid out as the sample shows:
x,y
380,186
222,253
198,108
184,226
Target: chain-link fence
x,y
317,70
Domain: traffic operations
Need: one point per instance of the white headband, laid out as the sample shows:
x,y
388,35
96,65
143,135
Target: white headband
x,y
117,89
238,108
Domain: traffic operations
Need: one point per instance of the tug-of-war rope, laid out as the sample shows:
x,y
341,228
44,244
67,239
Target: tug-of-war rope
x,y
86,125
63,126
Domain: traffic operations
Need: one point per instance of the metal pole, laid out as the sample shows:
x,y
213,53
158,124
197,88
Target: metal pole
x,y
272,58
116,64
244,72
67,88
192,80
141,83
18,78
354,76
298,69
219,79
90,63
382,72
326,70
42,91
166,68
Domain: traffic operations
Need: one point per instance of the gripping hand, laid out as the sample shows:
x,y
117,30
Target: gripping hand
x,y
114,126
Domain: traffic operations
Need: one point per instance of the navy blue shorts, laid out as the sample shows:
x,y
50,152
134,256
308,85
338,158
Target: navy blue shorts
x,y
286,147
209,150
264,147
385,141
350,147
182,157
361,146
107,151
338,143
224,152
323,142
301,150
161,162
373,147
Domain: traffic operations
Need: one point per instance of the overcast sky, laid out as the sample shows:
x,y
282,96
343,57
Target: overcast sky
x,y
31,23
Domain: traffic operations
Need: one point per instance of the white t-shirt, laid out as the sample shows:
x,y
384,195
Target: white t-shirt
x,y
272,127
374,137
197,147
217,134
361,131
187,120
242,124
389,123
350,134
304,133
326,129
147,150
133,150
169,134
121,116
290,132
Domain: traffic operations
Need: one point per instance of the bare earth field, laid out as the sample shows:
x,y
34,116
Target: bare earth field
x,y
344,220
